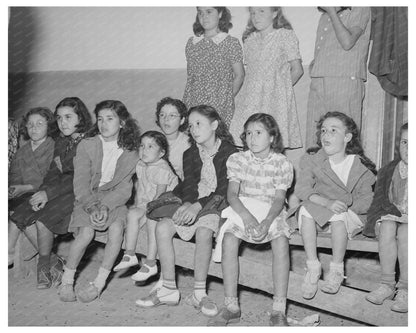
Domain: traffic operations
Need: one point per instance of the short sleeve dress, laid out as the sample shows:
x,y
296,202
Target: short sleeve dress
x,y
210,73
268,86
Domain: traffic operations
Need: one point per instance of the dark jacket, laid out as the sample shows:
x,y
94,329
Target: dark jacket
x,y
381,204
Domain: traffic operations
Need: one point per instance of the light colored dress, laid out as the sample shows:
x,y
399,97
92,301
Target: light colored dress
x,y
210,73
259,181
268,86
176,149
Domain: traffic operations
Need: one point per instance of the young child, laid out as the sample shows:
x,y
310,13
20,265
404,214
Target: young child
x,y
214,63
388,219
171,118
273,66
205,181
339,69
335,187
29,166
155,175
51,206
104,166
256,213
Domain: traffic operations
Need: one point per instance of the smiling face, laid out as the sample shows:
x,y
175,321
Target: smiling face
x,y
403,147
334,136
149,151
37,127
67,120
170,120
208,17
258,139
109,124
262,18
201,128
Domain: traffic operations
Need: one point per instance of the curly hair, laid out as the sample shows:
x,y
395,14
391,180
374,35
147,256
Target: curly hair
x,y
129,134
180,107
224,23
271,127
85,120
162,142
209,112
45,113
279,22
354,145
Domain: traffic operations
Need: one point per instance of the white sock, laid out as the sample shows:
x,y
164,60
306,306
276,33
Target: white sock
x,y
68,276
102,276
279,304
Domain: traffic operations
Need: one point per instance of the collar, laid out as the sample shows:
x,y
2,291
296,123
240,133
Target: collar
x,y
217,39
212,152
259,160
36,145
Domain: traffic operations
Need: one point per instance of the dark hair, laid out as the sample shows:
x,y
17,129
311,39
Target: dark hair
x,y
163,144
340,10
129,134
224,23
209,112
45,113
270,125
404,128
354,145
279,22
85,121
179,105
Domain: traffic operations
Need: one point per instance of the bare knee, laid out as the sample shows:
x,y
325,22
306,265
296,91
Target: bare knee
x,y
280,246
203,235
230,240
115,230
402,232
85,235
165,229
388,231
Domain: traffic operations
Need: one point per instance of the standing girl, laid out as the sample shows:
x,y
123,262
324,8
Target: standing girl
x,y
171,118
214,63
388,219
203,188
51,206
335,186
155,175
256,213
271,51
104,166
29,166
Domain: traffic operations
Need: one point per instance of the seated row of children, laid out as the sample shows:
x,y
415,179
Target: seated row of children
x,y
188,185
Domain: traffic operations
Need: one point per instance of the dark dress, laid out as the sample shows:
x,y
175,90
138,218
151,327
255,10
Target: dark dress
x,y
58,185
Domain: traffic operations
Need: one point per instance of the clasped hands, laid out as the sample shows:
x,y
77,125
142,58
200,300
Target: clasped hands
x,y
98,215
187,213
255,230
38,200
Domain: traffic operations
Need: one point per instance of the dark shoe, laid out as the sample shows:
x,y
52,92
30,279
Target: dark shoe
x,y
57,270
225,317
44,278
278,318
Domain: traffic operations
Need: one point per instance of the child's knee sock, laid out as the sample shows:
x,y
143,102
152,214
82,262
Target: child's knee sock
x,y
68,276
200,289
231,303
389,279
279,304
102,276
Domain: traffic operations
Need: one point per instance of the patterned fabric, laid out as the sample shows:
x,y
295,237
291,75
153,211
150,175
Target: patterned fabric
x,y
208,181
176,149
210,74
268,86
13,139
73,142
149,176
210,221
260,178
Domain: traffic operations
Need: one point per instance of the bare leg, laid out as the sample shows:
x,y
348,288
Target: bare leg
x,y
165,230
281,263
32,235
45,239
133,218
203,252
14,233
339,239
151,239
308,231
79,245
230,264
402,252
112,248
387,246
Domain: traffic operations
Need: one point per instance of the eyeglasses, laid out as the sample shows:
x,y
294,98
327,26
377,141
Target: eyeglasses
x,y
38,124
168,116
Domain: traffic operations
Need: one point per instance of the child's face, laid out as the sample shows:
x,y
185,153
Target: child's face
x,y
149,151
201,128
170,119
262,17
208,17
258,139
37,127
109,124
403,147
334,136
67,120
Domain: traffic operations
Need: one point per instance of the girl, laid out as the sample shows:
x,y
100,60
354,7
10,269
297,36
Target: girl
x,y
256,213
214,62
335,187
388,218
274,65
51,206
104,166
171,118
155,175
29,166
204,186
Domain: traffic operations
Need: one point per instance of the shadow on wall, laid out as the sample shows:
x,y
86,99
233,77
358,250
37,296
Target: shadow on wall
x,y
22,38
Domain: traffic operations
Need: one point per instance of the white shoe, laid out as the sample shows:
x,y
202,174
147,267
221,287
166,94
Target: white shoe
x,y
157,286
126,262
160,297
142,275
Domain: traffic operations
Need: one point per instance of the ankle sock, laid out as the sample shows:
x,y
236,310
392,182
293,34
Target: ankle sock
x,y
231,303
402,284
279,304
130,253
388,279
102,276
150,262
337,266
200,289
169,284
68,276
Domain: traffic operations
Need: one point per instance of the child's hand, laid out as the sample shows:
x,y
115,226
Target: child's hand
x,y
261,231
177,216
38,200
103,214
250,225
337,206
96,216
186,214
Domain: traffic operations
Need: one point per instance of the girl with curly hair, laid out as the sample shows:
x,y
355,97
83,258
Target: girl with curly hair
x,y
104,166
